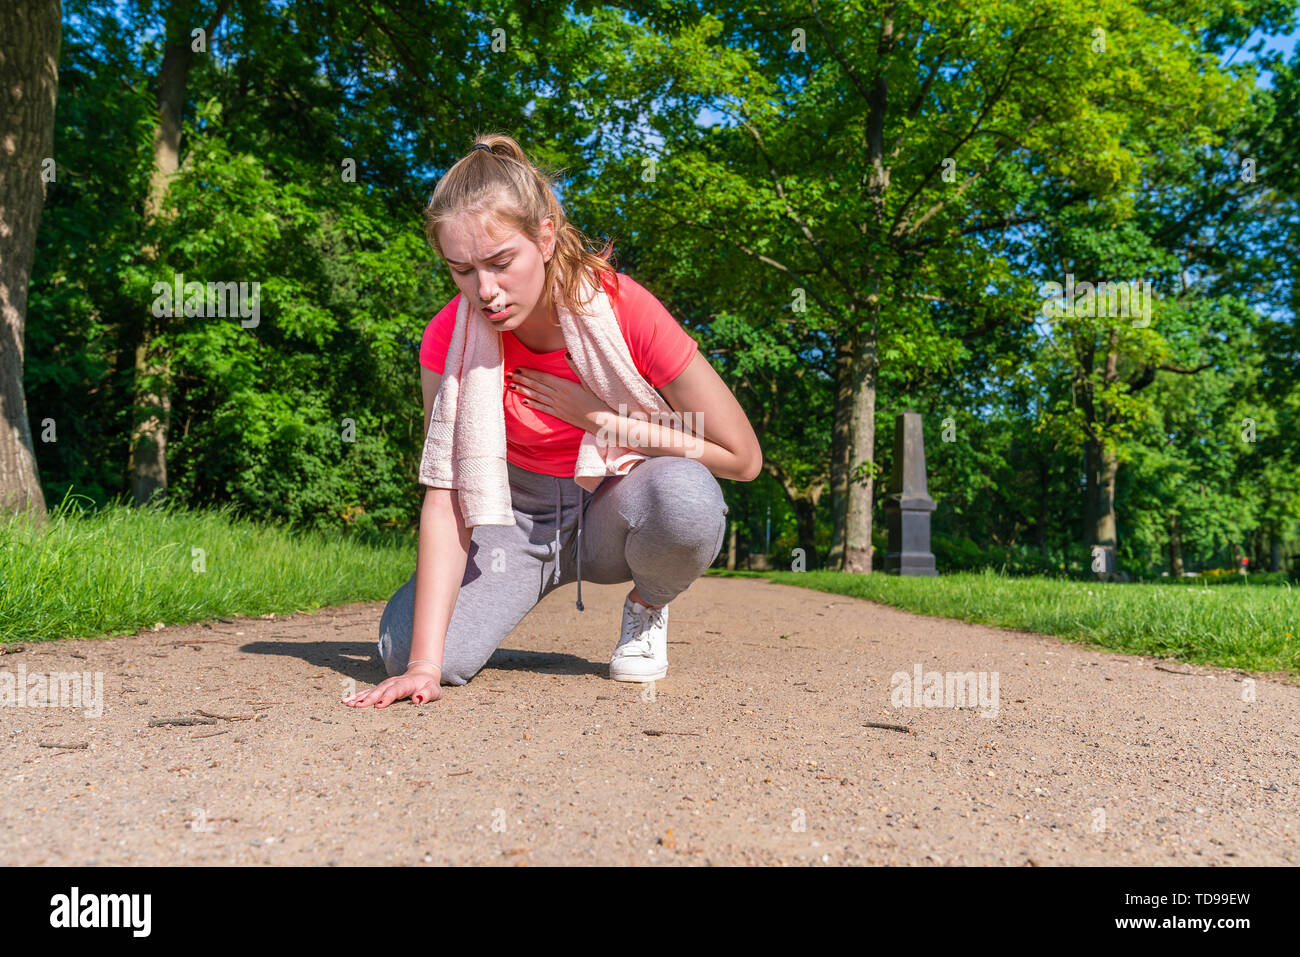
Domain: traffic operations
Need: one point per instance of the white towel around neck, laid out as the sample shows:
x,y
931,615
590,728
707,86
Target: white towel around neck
x,y
465,448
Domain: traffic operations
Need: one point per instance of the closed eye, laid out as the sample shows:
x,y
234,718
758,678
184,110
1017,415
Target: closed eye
x,y
466,272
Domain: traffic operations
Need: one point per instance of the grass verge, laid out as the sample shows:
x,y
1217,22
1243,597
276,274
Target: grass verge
x,y
114,571
1252,628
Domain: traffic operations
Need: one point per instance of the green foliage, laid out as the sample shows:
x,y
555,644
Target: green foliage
x,y
99,572
952,554
772,235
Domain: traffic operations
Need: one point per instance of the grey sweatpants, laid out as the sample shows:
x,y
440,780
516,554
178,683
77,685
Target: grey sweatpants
x,y
659,526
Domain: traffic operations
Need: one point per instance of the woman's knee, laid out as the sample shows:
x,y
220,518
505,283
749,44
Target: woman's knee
x,y
466,649
395,628
682,495
456,670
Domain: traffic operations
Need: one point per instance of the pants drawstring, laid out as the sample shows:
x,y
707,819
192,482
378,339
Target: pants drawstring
x,y
559,515
582,496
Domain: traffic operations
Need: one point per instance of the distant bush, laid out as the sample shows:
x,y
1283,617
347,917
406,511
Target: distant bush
x,y
960,554
1230,576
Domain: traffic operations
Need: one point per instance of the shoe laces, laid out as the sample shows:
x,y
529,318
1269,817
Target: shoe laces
x,y
637,628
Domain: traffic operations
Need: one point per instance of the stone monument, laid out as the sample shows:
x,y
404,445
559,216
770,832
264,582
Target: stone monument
x,y
908,504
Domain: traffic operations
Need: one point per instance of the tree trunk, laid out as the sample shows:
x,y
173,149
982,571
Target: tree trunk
x,y
1107,526
30,33
732,535
1175,548
1101,459
805,516
1102,466
151,408
841,452
151,403
857,545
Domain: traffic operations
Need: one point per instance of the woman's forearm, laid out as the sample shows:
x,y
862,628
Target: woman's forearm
x,y
657,438
441,555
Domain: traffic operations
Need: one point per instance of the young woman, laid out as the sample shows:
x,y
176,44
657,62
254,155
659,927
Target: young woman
x,y
496,222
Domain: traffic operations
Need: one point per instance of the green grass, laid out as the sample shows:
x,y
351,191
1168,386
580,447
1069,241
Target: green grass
x,y
120,569
1249,627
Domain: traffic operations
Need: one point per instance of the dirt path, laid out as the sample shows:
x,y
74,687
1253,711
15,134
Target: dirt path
x,y
1092,757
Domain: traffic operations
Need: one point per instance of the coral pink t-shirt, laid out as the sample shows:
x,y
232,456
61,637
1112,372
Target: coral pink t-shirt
x,y
536,440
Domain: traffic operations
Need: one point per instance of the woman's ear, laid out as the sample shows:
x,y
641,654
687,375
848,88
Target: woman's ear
x,y
548,239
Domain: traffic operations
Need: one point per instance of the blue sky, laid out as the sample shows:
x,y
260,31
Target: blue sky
x,y
1285,44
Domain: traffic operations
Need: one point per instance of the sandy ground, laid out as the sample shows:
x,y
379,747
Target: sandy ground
x,y
761,751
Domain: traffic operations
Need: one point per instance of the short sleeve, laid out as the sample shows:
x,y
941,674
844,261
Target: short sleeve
x,y
437,337
661,349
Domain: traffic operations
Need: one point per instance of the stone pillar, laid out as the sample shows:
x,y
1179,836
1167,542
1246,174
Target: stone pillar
x,y
908,504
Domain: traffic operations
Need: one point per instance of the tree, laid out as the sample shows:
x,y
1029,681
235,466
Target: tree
x,y
878,159
1199,227
311,135
152,405
29,84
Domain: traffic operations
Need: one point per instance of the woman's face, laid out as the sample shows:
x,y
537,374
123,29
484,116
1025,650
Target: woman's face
x,y
503,271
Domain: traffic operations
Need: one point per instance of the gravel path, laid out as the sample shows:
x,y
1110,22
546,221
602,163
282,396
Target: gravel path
x,y
760,753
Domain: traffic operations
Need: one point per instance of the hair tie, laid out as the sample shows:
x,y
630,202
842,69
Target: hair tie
x,y
481,146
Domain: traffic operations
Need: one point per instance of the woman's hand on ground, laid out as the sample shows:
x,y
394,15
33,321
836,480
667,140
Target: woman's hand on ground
x,y
419,683
568,401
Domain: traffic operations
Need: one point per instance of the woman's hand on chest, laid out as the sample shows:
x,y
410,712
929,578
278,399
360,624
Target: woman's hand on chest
x,y
568,401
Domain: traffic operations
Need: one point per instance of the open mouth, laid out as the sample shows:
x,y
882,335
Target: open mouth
x,y
498,315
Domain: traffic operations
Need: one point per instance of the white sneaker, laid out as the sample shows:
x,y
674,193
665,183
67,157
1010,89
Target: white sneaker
x,y
642,652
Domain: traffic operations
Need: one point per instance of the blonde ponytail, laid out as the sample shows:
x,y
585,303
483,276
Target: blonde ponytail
x,y
505,188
